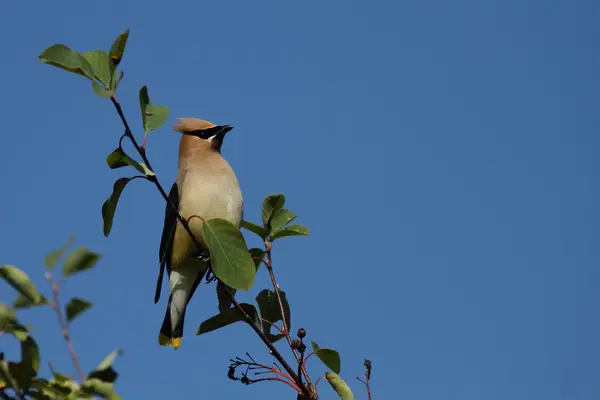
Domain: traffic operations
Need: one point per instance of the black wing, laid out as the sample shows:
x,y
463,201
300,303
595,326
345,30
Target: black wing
x,y
166,241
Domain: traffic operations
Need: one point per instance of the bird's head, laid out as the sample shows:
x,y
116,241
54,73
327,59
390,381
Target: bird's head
x,y
210,134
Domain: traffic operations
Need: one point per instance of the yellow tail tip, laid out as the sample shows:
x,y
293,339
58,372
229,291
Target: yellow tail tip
x,y
164,340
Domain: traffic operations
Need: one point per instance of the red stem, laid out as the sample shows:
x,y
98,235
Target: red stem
x,y
286,333
64,326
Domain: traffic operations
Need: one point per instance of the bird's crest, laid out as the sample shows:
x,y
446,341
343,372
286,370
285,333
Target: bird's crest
x,y
187,125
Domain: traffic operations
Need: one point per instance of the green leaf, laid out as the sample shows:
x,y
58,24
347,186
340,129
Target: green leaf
x,y
75,307
24,302
80,259
271,311
54,257
101,90
6,372
104,371
341,388
228,317
118,159
63,57
99,388
281,219
53,390
292,230
153,117
118,48
259,230
30,362
20,374
58,377
9,323
329,357
257,256
8,316
271,206
118,81
110,206
222,297
230,259
30,354
20,281
101,380
101,65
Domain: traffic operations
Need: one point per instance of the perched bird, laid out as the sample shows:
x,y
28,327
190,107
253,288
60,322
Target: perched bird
x,y
205,187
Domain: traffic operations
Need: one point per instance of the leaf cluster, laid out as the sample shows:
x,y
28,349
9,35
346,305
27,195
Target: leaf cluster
x,y
20,378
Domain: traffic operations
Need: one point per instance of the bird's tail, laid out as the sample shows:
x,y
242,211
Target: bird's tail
x,y
183,282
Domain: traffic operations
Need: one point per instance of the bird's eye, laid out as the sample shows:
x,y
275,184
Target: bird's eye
x,y
207,133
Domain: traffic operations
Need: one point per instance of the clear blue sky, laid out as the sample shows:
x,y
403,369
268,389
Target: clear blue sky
x,y
444,155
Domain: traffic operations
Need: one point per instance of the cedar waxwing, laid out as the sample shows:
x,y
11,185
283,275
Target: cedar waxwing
x,y
205,187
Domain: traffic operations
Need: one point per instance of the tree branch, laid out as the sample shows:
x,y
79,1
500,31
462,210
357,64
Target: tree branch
x,y
64,327
184,223
269,264
366,382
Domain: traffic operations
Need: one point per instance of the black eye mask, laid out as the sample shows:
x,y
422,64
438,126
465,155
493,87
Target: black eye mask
x,y
207,133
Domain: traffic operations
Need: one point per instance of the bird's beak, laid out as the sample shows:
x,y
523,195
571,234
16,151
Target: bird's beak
x,y
225,129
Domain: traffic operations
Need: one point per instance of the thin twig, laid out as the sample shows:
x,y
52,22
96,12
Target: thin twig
x,y
64,327
300,365
317,382
274,378
366,382
269,265
273,325
272,348
307,357
274,371
153,178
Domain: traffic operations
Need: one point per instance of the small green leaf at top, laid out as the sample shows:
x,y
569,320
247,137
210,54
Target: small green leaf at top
x,y
118,159
101,90
270,311
271,206
339,385
118,80
76,307
329,357
228,317
54,256
20,281
281,219
291,230
153,117
80,259
259,230
230,259
118,48
62,56
101,65
110,205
